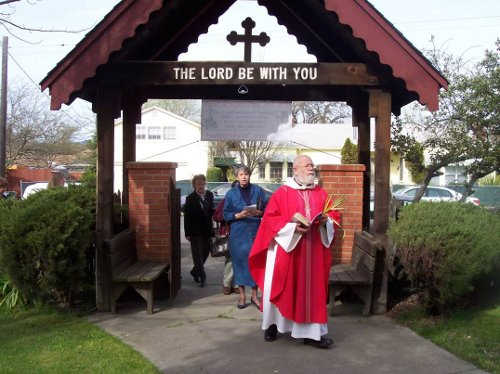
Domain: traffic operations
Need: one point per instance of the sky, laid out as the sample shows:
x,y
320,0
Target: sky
x,y
463,27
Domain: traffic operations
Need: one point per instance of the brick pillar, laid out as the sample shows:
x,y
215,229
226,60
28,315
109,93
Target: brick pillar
x,y
149,208
346,181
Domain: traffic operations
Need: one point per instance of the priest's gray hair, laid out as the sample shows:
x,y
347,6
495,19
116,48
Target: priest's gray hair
x,y
298,158
242,168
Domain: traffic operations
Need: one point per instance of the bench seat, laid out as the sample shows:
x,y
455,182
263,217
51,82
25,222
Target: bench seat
x,y
128,271
359,275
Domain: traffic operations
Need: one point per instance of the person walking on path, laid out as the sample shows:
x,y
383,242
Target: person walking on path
x,y
243,208
198,229
290,258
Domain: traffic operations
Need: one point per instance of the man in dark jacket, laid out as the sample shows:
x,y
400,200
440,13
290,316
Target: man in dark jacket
x,y
198,212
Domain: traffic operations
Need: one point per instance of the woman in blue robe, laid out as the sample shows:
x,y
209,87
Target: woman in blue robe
x,y
244,221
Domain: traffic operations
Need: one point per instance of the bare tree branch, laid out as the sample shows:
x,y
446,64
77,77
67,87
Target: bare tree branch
x,y
5,2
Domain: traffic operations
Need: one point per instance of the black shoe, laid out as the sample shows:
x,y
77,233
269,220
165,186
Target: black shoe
x,y
203,278
271,333
196,278
324,343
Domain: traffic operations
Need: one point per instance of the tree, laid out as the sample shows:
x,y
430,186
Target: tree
x,y
35,135
189,109
250,152
7,10
319,112
349,152
479,109
446,136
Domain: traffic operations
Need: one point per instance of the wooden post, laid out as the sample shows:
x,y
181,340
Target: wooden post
x,y
131,117
105,108
361,119
380,108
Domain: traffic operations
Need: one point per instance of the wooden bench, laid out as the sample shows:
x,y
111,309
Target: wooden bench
x,y
360,274
127,271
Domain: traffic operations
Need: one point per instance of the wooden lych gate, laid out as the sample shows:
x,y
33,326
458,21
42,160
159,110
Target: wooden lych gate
x,y
131,56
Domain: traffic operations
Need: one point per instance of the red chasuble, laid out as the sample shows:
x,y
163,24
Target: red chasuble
x,y
300,278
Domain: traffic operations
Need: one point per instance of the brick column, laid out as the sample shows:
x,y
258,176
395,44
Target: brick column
x,y
149,208
346,181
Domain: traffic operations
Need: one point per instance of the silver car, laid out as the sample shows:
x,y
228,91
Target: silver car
x,y
432,194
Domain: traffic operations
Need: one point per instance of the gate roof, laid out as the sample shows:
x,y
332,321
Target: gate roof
x,y
332,30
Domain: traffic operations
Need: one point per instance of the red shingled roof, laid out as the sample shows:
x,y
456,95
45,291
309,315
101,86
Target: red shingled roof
x,y
94,50
379,36
393,48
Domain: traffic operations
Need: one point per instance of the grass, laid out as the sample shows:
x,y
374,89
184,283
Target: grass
x,y
473,334
46,341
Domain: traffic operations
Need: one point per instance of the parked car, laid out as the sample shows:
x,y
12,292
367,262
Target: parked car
x,y
35,187
221,190
432,194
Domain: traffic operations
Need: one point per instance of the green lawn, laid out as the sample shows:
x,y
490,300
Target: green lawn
x,y
44,341
473,335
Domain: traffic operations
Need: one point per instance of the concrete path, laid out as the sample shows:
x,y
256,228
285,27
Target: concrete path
x,y
202,331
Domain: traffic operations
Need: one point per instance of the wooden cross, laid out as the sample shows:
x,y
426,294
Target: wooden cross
x,y
247,38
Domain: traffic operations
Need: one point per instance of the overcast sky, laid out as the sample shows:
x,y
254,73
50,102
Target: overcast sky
x,y
463,26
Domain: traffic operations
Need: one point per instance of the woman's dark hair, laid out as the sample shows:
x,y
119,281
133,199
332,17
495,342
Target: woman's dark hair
x,y
196,177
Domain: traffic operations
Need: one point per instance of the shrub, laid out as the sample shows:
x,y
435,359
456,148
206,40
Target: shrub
x,y
447,250
215,175
45,243
349,152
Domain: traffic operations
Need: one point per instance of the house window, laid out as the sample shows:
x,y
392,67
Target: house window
x,y
276,170
262,170
154,133
454,175
140,132
169,133
289,170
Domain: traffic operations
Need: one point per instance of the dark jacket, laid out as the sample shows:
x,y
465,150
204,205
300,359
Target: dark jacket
x,y
198,216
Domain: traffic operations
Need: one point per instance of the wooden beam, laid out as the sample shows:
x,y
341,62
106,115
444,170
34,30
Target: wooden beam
x,y
144,73
131,117
230,92
380,108
361,119
106,112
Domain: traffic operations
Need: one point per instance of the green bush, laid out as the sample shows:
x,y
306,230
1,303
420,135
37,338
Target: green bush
x,y
447,250
215,175
45,243
349,152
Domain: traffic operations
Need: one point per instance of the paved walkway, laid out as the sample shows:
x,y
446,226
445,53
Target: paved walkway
x,y
202,331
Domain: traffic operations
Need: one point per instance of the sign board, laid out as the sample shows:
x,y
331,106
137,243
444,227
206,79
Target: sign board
x,y
234,73
245,119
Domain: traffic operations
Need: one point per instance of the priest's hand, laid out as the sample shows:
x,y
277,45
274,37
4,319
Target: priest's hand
x,y
323,219
301,229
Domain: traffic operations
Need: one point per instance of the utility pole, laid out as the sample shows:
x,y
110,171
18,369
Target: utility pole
x,y
3,107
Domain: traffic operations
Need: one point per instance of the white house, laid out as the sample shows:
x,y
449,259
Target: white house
x,y
322,142
164,136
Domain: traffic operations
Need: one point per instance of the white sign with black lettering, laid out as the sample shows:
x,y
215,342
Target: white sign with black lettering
x,y
245,119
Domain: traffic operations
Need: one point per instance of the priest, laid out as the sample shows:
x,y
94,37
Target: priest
x,y
290,258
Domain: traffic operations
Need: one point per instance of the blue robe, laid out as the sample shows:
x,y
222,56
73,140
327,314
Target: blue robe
x,y
242,232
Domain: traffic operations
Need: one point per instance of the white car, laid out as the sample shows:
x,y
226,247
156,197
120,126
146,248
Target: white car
x,y
35,187
432,194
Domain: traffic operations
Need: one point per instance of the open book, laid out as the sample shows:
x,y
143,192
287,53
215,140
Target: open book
x,y
303,220
251,208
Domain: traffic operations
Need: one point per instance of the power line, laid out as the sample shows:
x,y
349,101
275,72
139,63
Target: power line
x,y
448,19
317,150
43,93
170,150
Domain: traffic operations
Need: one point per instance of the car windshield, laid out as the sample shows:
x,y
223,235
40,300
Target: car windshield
x,y
221,190
411,193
